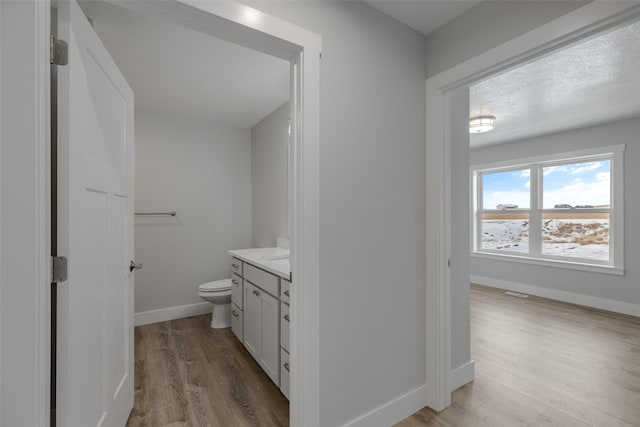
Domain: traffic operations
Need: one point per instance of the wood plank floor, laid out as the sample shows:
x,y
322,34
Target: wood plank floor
x,y
545,363
187,374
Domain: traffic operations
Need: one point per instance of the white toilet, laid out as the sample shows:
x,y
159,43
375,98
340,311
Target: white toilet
x,y
218,293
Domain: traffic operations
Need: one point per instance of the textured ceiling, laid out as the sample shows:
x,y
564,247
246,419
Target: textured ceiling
x,y
593,82
424,16
178,71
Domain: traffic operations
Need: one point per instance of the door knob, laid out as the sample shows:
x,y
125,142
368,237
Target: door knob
x,y
134,266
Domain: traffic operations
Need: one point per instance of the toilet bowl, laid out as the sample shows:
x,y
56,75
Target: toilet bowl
x,y
218,293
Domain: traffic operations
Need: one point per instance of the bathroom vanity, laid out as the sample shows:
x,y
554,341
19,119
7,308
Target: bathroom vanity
x,y
260,315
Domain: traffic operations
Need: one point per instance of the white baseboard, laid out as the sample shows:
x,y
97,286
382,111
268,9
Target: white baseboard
x,y
570,297
462,375
171,313
394,411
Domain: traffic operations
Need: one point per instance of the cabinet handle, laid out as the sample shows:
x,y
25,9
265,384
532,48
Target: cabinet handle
x,y
286,317
235,282
286,366
234,313
286,293
256,293
235,265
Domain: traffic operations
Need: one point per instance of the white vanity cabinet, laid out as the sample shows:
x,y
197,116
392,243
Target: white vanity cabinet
x,y
261,329
260,309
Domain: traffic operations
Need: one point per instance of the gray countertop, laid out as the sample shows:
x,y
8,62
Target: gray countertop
x,y
273,260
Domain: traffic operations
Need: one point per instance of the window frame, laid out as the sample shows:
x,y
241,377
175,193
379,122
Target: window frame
x,y
536,210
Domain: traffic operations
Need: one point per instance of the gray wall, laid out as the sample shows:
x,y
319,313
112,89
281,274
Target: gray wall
x,y
201,170
487,25
621,288
269,179
372,205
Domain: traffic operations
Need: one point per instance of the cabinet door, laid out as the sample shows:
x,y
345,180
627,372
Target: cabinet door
x,y
270,323
252,320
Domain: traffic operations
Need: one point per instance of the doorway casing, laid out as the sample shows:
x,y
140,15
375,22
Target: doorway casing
x,y
256,30
577,25
248,27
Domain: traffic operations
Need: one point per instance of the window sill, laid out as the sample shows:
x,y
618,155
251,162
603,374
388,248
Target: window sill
x,y
571,265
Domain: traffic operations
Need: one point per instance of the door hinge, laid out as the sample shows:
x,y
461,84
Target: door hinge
x,y
58,269
58,51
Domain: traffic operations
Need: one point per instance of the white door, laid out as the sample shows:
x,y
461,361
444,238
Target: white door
x,y
95,231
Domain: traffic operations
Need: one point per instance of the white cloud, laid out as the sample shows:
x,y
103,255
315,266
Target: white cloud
x,y
585,167
573,169
525,173
580,192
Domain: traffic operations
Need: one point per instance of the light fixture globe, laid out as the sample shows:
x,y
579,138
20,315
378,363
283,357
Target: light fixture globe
x,y
481,124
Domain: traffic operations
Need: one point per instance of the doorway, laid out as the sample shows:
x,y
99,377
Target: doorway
x,y
291,44
547,207
211,175
445,121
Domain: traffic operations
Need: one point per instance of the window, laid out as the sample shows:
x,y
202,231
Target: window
x,y
564,210
505,226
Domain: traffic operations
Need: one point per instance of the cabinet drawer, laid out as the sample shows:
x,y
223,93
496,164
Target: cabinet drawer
x,y
266,281
284,326
284,373
285,290
237,318
236,266
236,290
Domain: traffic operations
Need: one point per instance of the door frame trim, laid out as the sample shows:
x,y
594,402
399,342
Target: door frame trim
x,y
249,27
25,265
579,24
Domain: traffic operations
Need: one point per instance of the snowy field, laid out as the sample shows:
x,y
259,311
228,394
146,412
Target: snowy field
x,y
580,238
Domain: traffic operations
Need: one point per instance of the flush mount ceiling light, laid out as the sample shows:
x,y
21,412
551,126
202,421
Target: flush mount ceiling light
x,y
481,124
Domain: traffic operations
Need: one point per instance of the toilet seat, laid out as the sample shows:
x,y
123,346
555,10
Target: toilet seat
x,y
215,286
